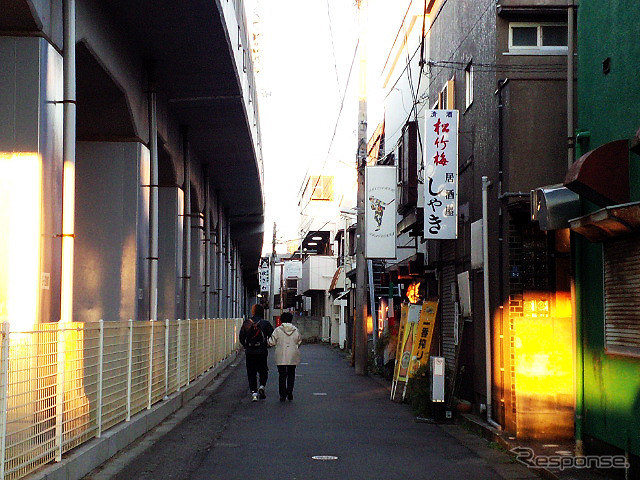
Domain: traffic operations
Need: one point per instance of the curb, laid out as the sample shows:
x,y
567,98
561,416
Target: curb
x,y
82,460
491,434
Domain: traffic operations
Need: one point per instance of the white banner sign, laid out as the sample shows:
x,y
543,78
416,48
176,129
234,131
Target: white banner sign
x,y
264,273
380,212
293,269
441,175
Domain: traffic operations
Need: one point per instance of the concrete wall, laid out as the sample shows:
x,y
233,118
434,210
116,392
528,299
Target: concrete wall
x,y
110,252
169,248
310,327
31,122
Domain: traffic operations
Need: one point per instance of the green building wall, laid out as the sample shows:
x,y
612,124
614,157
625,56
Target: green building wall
x,y
609,109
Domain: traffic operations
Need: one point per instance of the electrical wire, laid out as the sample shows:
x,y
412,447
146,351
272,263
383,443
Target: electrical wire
x,y
335,129
333,49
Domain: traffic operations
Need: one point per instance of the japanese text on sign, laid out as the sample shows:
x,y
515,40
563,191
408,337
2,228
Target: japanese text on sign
x,y
441,175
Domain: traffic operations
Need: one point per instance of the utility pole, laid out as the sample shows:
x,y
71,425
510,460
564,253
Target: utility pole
x,y
360,330
272,276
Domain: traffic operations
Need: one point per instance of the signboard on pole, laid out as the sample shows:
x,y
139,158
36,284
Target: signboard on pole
x,y
263,274
380,212
441,175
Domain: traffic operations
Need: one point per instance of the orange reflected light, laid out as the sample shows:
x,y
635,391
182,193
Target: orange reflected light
x,y
68,224
20,222
543,361
382,315
369,324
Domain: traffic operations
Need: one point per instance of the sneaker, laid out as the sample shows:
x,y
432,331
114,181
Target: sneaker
x,y
261,392
290,396
254,397
282,399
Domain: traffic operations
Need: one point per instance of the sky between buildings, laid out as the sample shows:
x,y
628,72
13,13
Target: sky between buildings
x,y
304,52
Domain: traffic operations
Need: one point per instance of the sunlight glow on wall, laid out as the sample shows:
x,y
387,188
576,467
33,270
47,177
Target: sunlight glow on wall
x,y
544,366
20,223
68,224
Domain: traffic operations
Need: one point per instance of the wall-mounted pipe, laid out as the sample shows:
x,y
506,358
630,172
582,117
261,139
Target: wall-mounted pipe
x,y
207,246
186,228
570,56
69,162
487,304
220,275
153,200
229,257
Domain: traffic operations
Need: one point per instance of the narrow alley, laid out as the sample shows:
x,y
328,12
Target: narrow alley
x,y
345,421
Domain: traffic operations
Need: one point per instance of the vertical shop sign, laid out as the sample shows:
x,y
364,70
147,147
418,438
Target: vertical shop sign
x,y
441,175
380,214
264,274
424,336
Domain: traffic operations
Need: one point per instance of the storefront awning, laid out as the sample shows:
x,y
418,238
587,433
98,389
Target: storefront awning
x,y
608,222
602,175
336,280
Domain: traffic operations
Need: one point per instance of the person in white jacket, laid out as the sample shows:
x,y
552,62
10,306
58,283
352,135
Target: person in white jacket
x,y
286,338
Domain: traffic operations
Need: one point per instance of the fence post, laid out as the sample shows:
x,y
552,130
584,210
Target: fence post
x,y
179,357
60,390
4,393
129,368
226,338
100,377
166,358
188,351
150,374
210,343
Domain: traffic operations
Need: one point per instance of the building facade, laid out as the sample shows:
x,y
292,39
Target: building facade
x,y
605,249
503,67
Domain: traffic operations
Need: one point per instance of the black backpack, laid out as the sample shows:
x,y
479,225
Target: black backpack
x,y
255,336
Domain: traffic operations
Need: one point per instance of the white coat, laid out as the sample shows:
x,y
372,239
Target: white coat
x,y
286,339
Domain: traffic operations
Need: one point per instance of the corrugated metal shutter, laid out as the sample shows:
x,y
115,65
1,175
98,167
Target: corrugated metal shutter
x,y
447,302
622,302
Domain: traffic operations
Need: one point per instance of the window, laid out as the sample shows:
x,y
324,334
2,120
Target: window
x,y
621,300
446,97
408,167
321,188
468,82
537,37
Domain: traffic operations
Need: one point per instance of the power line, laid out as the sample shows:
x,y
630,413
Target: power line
x,y
333,49
335,128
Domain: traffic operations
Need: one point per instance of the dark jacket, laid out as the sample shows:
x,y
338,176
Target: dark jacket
x,y
267,330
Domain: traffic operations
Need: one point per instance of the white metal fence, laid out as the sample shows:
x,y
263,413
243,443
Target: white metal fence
x,y
63,384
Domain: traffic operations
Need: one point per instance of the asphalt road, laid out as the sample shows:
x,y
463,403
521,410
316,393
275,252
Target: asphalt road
x,y
335,414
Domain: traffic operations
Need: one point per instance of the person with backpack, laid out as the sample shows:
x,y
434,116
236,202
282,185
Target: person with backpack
x,y
286,338
253,336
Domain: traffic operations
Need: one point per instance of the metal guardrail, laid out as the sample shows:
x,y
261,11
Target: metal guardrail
x,y
62,384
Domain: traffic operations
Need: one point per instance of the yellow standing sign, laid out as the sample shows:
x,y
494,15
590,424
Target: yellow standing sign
x,y
423,336
409,319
